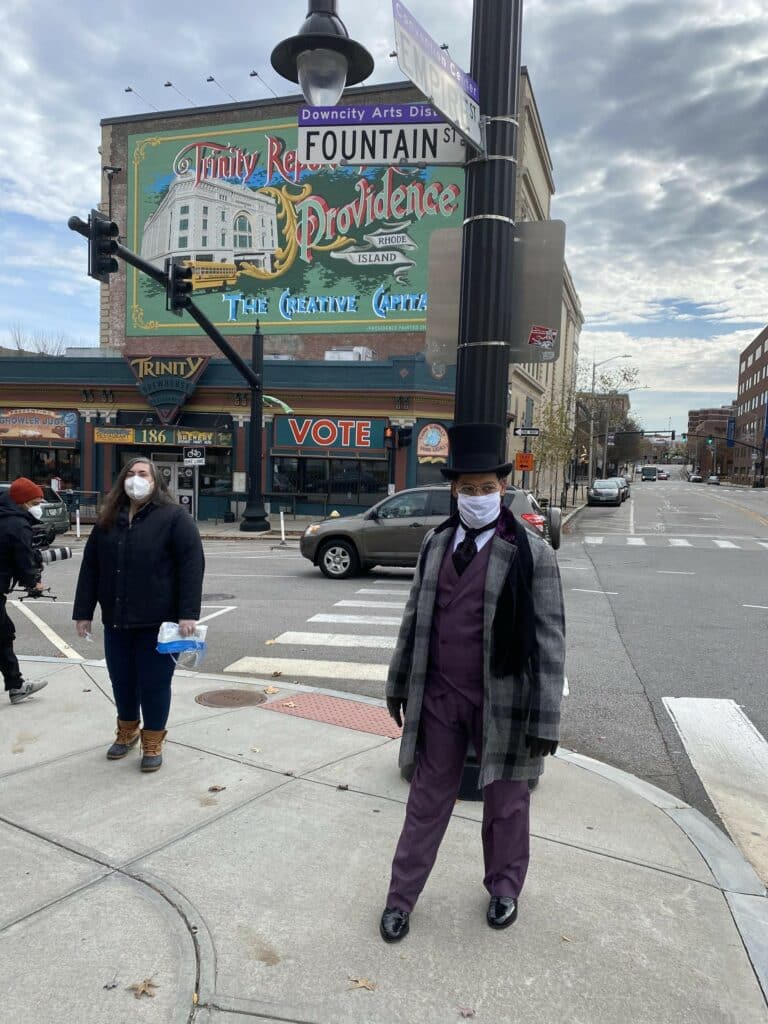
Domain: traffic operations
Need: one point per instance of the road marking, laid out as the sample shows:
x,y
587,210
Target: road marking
x,y
335,640
631,517
48,633
221,611
763,543
731,759
673,572
725,544
762,607
678,542
370,604
609,593
397,593
392,583
253,576
637,542
574,568
593,540
295,668
358,620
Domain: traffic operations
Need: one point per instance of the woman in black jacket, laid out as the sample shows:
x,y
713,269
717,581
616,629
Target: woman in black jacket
x,y
143,564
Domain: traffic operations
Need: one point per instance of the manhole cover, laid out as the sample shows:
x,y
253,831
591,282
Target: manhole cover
x,y
229,698
218,597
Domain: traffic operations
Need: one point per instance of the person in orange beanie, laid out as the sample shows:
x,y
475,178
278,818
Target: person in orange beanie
x,y
19,511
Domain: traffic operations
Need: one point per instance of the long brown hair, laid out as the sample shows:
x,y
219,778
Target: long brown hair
x,y
117,498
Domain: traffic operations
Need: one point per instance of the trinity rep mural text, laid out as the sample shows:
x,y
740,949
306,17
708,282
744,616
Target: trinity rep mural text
x,y
301,247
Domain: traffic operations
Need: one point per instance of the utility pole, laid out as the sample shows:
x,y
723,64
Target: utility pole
x,y
254,515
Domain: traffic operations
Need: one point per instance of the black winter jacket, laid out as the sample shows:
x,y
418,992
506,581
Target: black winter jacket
x,y
144,572
17,560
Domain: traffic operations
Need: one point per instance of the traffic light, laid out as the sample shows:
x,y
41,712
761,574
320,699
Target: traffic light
x,y
684,437
178,290
709,440
102,246
404,437
673,435
389,437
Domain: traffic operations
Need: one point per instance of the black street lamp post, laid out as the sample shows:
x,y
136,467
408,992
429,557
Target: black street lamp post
x,y
254,515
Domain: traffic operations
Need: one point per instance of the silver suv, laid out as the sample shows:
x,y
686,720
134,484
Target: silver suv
x,y
391,532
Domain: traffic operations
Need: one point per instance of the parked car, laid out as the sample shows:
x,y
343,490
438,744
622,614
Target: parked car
x,y
55,512
695,478
713,480
391,532
604,492
623,486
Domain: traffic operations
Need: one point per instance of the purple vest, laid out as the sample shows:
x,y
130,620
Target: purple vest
x,y
456,640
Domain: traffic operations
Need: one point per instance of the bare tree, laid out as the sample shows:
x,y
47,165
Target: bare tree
x,y
42,343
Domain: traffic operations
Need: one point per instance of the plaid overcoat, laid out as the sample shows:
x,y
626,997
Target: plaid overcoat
x,y
527,702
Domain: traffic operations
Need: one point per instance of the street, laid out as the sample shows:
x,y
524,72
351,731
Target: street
x,y
666,609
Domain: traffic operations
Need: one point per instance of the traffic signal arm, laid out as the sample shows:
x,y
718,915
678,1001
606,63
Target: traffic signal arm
x,y
718,437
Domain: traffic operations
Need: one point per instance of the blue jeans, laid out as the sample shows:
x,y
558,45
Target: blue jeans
x,y
140,677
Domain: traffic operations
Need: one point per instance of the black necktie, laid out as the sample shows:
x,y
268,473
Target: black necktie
x,y
467,549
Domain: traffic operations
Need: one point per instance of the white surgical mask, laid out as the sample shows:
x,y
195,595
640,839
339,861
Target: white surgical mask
x,y
137,487
36,511
479,511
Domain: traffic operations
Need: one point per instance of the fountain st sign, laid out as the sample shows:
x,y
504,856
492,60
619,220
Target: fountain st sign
x,y
442,81
377,134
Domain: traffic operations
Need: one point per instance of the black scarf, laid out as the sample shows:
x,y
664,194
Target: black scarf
x,y
467,549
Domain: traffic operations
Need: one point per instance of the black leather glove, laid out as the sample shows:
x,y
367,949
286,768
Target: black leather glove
x,y
396,705
537,747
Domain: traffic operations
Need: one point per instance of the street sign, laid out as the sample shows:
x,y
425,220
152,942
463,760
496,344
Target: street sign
x,y
194,456
611,439
524,462
442,81
526,431
376,134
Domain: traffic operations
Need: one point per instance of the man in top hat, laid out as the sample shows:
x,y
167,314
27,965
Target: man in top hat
x,y
480,657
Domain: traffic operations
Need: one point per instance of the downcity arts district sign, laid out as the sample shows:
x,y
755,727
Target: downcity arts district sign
x,y
300,247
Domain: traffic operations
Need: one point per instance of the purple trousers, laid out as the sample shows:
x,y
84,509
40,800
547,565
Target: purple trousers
x,y
448,722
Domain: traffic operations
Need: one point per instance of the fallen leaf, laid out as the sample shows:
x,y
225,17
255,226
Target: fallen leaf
x,y
276,674
370,986
342,785
143,988
465,1011
111,984
565,938
86,691
216,789
195,998
256,750
271,689
288,704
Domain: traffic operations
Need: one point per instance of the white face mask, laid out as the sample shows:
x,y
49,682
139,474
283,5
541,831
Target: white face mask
x,y
36,511
479,511
136,487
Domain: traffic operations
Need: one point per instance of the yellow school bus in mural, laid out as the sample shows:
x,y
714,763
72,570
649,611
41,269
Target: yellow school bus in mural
x,y
207,275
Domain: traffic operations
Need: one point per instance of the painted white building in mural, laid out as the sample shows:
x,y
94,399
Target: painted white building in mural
x,y
213,221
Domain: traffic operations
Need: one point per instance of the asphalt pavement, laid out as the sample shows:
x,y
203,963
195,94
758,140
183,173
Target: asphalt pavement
x,y
245,880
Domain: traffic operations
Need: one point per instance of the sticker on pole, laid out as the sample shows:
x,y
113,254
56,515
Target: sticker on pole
x,y
544,338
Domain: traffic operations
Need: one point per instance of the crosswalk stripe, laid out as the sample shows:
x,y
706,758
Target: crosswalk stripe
x,y
593,540
296,668
731,759
370,604
726,544
678,542
638,542
358,620
298,639
398,593
405,584
763,543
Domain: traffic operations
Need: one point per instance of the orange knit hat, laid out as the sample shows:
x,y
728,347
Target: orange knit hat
x,y
24,490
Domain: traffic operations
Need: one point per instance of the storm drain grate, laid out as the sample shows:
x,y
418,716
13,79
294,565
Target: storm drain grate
x,y
349,714
229,698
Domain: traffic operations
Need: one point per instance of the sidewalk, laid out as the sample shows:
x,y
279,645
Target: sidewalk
x,y
247,877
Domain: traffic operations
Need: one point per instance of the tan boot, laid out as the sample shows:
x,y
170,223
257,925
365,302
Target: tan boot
x,y
152,749
127,737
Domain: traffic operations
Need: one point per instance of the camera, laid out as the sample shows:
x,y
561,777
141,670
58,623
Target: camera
x,y
48,555
44,555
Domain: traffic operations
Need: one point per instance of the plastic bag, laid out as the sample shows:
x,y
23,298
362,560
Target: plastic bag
x,y
186,651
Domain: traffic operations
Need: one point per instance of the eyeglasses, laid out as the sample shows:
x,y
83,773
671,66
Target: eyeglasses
x,y
467,491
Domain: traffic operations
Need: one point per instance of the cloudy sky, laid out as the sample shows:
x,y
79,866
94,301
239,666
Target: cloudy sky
x,y
655,112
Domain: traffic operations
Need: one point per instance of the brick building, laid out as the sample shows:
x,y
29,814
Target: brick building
x,y
751,410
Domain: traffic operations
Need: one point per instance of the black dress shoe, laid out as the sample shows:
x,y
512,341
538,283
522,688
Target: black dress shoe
x,y
502,911
394,924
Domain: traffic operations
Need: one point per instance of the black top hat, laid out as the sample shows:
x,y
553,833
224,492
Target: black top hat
x,y
476,448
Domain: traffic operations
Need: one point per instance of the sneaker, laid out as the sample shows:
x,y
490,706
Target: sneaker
x,y
22,692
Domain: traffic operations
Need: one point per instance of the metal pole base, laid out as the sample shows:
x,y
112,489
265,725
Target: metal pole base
x,y
254,519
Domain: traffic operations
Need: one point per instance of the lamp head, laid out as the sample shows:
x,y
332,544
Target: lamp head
x,y
321,57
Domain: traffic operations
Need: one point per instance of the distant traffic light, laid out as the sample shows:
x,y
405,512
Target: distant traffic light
x,y
102,246
389,437
404,437
673,435
684,437
709,440
178,291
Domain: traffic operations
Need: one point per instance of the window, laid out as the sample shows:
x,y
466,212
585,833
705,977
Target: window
x,y
440,504
223,216
243,237
405,506
183,241
205,211
184,224
223,237
205,223
205,240
183,210
285,475
750,359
